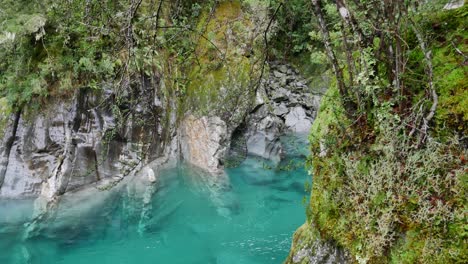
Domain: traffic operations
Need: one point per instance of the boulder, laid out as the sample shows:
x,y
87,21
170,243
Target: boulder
x,y
280,110
263,134
278,74
286,105
298,121
321,252
283,68
264,139
280,94
309,248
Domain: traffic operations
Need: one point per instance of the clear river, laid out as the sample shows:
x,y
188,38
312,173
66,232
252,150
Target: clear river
x,y
248,219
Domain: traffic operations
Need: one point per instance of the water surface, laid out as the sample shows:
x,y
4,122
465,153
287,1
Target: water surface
x,y
248,217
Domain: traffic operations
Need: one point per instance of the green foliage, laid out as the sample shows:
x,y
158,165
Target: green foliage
x,y
330,113
375,191
55,48
449,30
5,109
446,31
293,24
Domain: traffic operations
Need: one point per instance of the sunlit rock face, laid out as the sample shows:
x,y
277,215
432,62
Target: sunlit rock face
x,y
204,142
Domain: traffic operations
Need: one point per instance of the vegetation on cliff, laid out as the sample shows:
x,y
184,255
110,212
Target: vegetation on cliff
x,y
200,56
389,144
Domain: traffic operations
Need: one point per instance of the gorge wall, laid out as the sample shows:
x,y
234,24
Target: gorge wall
x,y
72,144
102,122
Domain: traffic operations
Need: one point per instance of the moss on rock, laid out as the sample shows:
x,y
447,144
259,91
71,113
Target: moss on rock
x,y
5,111
227,64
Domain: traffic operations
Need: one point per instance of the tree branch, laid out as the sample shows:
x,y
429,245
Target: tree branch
x,y
343,90
265,39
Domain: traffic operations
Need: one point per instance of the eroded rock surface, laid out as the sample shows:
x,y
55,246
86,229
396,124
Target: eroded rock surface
x,y
285,103
454,4
83,141
307,248
204,142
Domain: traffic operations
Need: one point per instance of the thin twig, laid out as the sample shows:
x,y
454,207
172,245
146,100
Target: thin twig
x,y
265,38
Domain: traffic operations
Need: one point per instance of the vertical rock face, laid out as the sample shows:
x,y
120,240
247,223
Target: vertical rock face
x,y
79,142
7,144
73,143
204,142
34,153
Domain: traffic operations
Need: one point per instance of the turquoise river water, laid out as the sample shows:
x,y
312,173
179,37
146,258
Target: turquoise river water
x,y
248,219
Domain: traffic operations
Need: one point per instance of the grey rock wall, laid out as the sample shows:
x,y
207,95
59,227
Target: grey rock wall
x,y
309,248
454,4
82,141
73,143
285,104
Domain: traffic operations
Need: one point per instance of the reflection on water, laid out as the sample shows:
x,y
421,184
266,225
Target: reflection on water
x,y
246,216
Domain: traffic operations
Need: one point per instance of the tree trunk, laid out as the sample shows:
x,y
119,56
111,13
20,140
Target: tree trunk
x,y
349,106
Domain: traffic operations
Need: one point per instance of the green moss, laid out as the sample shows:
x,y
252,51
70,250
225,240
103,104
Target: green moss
x,y
330,115
364,199
381,199
451,80
449,30
222,76
377,196
304,237
5,111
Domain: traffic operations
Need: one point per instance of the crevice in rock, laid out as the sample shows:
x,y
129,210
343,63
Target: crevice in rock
x,y
237,151
9,140
96,166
